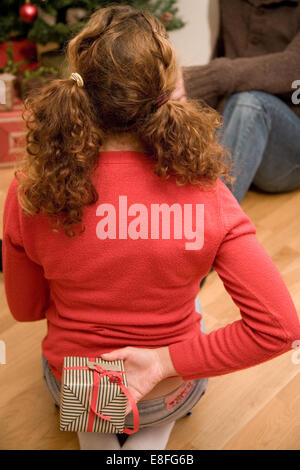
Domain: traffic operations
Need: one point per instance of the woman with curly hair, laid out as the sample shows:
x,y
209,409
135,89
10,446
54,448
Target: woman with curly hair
x,y
116,214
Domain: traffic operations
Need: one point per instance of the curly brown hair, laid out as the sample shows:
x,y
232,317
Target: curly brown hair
x,y
126,62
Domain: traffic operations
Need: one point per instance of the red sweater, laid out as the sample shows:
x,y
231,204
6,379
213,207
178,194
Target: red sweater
x,y
127,282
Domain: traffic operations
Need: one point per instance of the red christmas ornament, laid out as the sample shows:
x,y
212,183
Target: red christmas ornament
x,y
28,12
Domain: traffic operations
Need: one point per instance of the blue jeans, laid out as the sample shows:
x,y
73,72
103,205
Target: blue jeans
x,y
152,412
263,137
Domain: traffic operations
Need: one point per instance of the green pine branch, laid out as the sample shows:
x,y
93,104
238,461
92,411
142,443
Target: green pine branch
x,y
11,25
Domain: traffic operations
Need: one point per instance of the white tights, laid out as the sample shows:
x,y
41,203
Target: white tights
x,y
150,438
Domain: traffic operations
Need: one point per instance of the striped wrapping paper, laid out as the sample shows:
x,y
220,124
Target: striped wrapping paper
x,y
76,397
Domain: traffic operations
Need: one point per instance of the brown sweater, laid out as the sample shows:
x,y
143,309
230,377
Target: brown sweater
x,y
258,49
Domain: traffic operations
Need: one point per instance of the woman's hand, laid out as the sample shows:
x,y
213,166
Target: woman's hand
x,y
144,368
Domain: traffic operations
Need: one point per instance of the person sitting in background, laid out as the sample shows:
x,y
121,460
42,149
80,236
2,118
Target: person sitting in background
x,y
252,80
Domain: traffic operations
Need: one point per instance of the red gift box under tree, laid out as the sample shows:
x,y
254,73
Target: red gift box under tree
x,y
12,135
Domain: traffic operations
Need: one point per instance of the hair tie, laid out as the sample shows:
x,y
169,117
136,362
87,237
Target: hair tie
x,y
162,99
78,79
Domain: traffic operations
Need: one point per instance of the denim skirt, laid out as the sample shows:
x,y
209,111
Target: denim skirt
x,y
165,409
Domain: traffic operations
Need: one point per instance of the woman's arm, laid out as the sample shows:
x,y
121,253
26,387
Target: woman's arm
x,y
272,73
26,288
268,327
269,322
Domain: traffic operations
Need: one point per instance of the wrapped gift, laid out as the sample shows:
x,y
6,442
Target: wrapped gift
x,y
94,396
12,135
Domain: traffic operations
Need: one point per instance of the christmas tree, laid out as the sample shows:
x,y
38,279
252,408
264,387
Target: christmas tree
x,y
44,21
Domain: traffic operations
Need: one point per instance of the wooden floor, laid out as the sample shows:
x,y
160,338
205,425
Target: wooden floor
x,y
258,408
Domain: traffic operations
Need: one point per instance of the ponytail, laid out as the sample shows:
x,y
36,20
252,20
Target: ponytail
x,y
62,147
182,137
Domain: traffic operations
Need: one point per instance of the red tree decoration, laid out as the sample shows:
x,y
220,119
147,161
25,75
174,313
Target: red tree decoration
x,y
28,12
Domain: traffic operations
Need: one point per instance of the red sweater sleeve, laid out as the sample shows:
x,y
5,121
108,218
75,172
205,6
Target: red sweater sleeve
x,y
26,288
269,323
